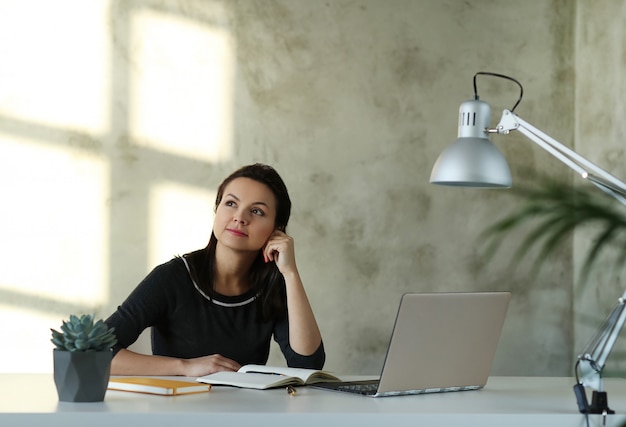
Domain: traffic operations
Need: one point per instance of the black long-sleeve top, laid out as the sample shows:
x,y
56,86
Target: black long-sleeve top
x,y
186,323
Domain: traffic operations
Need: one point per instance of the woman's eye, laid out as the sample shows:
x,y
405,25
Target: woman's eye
x,y
257,211
229,203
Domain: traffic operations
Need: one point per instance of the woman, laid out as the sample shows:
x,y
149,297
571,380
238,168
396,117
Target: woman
x,y
218,308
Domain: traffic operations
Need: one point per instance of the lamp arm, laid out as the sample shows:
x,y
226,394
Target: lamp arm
x,y
584,167
595,354
591,361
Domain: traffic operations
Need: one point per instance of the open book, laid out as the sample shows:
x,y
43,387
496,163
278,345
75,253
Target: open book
x,y
263,377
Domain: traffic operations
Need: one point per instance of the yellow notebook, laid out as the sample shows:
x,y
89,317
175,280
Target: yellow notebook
x,y
155,385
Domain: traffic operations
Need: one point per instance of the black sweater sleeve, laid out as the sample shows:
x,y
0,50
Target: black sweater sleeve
x,y
296,360
144,307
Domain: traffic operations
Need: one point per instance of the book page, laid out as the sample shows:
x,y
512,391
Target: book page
x,y
249,379
306,375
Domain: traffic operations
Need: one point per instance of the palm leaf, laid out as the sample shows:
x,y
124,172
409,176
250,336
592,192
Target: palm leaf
x,y
553,211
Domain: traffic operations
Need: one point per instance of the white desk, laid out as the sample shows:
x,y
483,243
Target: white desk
x,y
30,400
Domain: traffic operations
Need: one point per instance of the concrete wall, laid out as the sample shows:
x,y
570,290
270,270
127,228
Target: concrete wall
x,y
352,101
600,130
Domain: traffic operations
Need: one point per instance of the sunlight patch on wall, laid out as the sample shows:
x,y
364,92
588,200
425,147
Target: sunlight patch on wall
x,y
54,224
181,97
181,220
54,63
31,339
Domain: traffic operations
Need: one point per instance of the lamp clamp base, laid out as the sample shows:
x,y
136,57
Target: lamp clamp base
x,y
599,401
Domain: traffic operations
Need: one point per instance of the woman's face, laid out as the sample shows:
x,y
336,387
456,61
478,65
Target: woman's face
x,y
245,217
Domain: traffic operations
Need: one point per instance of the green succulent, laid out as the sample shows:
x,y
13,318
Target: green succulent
x,y
82,334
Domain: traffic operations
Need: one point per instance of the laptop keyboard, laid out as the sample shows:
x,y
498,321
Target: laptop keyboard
x,y
364,388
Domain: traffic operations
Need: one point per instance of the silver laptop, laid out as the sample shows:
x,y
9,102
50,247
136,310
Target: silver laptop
x,y
440,342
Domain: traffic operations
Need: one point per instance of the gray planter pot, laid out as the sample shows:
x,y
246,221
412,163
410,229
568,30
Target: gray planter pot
x,y
82,376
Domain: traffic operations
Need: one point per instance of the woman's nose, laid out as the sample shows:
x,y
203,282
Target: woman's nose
x,y
239,217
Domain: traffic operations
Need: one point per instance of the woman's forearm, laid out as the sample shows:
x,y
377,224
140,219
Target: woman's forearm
x,y
127,362
304,334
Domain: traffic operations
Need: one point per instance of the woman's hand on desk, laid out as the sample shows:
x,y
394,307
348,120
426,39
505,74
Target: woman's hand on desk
x,y
200,366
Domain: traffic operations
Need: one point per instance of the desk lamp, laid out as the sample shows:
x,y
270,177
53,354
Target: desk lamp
x,y
474,161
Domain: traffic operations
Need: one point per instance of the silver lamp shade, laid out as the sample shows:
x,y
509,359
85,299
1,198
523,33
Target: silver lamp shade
x,y
472,160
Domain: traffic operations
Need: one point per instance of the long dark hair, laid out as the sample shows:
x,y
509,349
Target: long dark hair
x,y
265,278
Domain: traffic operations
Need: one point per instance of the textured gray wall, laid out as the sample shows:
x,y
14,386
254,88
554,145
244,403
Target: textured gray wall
x,y
352,101
600,130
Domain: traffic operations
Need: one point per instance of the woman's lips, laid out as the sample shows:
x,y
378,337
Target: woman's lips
x,y
236,232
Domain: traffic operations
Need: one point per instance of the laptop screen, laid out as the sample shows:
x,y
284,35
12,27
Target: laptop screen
x,y
444,341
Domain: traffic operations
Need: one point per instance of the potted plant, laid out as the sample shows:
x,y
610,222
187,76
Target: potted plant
x,y
82,359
